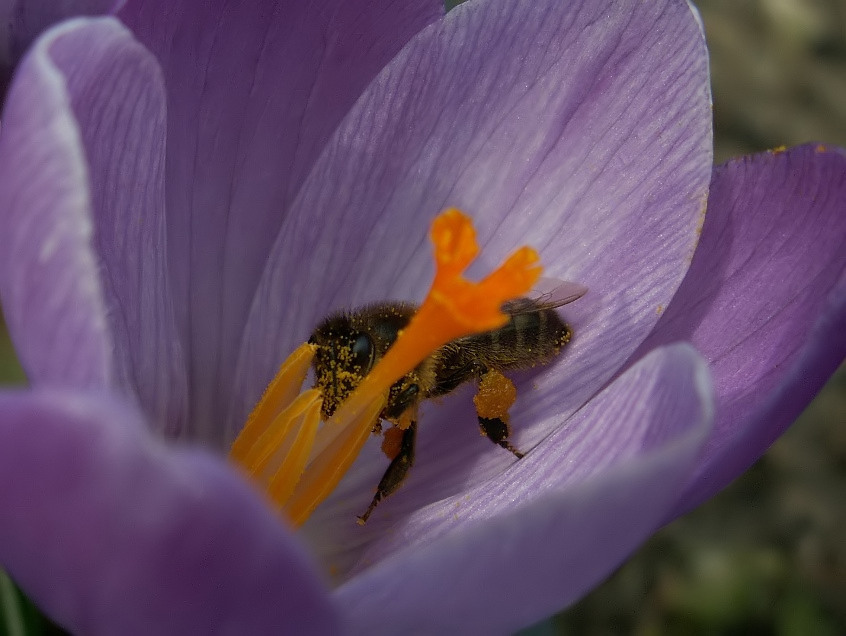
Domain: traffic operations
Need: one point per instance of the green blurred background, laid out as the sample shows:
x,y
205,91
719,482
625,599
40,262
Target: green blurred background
x,y
767,555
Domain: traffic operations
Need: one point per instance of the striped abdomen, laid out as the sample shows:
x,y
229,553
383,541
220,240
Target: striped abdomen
x,y
533,335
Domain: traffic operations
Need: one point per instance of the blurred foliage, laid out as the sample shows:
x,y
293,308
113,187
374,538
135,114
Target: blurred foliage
x,y
778,70
767,555
10,369
19,617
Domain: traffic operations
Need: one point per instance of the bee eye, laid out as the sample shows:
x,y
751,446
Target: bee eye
x,y
362,352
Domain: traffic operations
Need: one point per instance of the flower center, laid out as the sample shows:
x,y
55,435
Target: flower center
x,y
282,446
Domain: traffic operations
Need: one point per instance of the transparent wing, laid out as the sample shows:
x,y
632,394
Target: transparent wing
x,y
548,293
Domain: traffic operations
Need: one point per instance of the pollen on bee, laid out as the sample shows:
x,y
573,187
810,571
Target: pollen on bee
x,y
495,396
299,463
392,441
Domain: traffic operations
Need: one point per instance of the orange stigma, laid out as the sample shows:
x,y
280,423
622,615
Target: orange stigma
x,y
298,462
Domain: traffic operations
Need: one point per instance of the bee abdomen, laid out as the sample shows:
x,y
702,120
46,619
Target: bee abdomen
x,y
527,339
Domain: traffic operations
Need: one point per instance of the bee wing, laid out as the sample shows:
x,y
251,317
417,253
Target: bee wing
x,y
548,293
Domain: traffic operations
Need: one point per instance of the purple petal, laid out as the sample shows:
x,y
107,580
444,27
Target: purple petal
x,y
105,91
551,527
27,19
581,129
112,533
254,91
764,301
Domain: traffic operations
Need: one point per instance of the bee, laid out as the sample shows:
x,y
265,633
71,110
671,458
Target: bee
x,y
349,344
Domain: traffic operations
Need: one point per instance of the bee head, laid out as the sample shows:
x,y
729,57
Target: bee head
x,y
343,357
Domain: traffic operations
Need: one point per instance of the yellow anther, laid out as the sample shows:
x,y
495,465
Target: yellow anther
x,y
278,396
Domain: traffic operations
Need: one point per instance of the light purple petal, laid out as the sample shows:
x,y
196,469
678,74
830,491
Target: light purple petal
x,y
107,91
764,301
49,279
254,91
520,547
112,533
581,129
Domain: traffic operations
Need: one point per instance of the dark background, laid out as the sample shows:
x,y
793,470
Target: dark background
x,y
767,555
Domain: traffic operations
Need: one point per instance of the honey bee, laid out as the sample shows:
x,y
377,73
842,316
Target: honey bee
x,y
349,344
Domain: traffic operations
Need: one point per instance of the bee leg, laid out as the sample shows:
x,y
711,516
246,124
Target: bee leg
x,y
496,395
497,431
396,472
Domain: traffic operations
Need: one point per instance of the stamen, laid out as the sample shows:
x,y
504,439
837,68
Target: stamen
x,y
277,397
281,433
454,307
284,481
326,470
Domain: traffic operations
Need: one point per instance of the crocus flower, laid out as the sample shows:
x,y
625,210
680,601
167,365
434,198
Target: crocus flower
x,y
185,192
